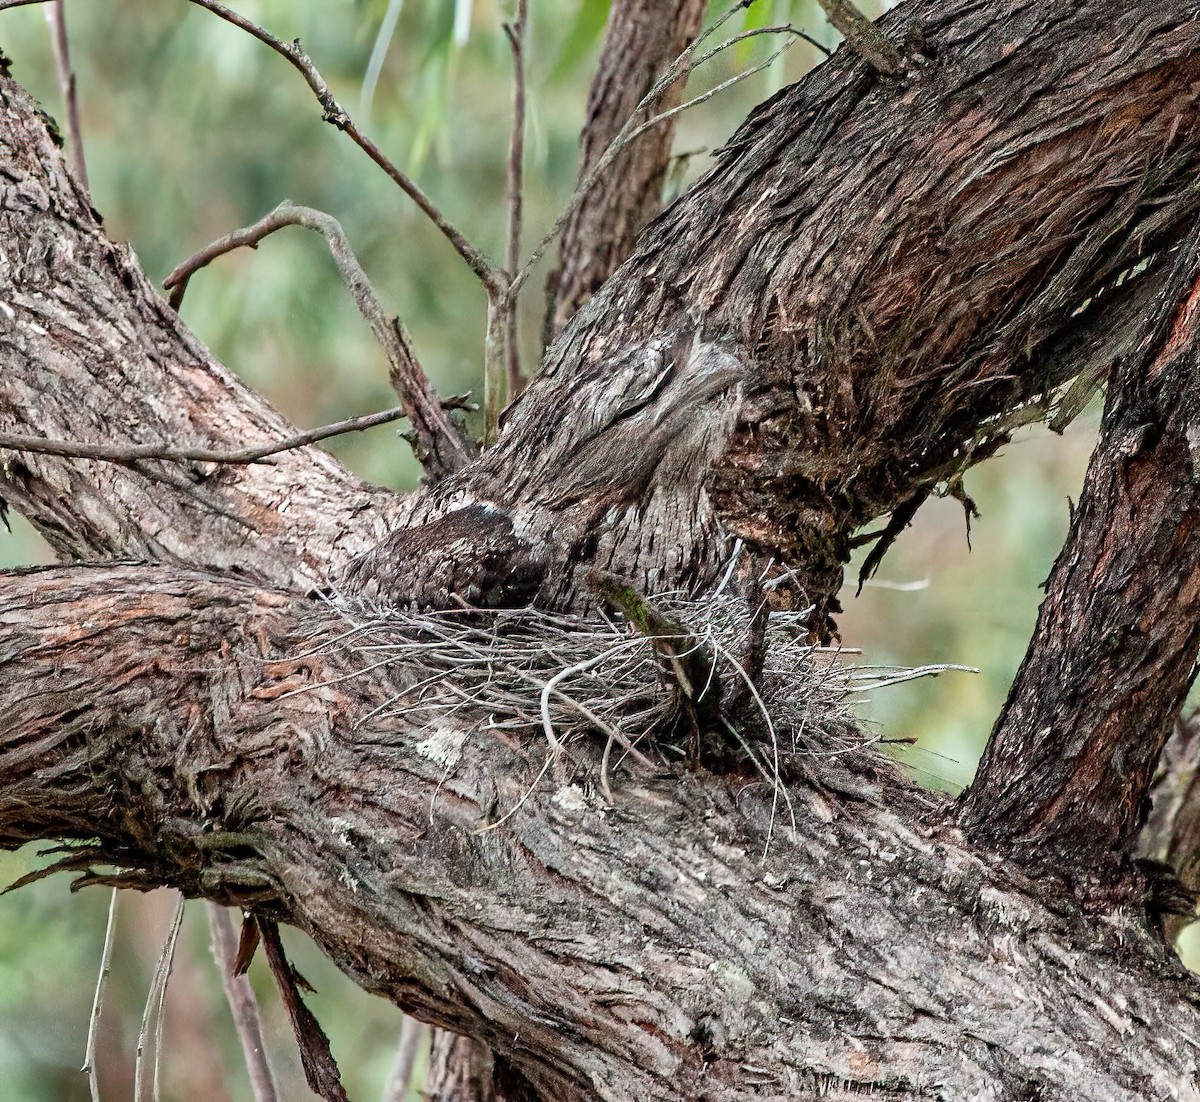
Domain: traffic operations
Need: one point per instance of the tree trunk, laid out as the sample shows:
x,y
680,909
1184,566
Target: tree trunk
x,y
876,281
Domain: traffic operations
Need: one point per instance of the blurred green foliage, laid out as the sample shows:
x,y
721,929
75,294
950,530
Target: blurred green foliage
x,y
190,129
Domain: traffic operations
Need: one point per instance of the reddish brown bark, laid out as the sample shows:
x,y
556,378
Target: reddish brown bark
x,y
1069,764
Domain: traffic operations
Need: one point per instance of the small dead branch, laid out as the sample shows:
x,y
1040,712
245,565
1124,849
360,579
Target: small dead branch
x,y
131,454
320,1068
243,1006
440,447
152,1013
89,1052
413,1035
336,116
515,32
863,37
56,20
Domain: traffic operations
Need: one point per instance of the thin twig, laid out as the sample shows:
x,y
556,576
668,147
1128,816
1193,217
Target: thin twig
x,y
412,1034
136,453
89,1052
153,1008
632,130
56,20
515,32
335,115
438,444
243,1005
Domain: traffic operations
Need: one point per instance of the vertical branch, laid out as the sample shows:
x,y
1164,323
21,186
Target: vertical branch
x,y
641,41
89,1053
1065,775
515,31
56,20
242,1004
412,1034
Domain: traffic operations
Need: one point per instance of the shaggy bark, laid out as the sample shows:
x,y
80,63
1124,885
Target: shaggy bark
x,y
89,350
874,283
868,290
641,38
642,950
1113,653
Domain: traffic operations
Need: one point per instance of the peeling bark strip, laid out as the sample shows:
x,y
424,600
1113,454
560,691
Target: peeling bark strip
x,y
1069,764
644,950
895,268
641,38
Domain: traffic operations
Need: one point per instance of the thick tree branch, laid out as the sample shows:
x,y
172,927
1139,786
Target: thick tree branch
x,y
641,40
1069,764
868,291
88,349
637,951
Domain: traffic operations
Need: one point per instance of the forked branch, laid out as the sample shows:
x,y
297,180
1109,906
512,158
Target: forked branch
x,y
439,445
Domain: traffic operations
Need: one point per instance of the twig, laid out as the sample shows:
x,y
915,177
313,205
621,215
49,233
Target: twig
x,y
154,1003
438,444
335,115
89,1052
412,1034
320,1068
632,130
136,453
243,1006
515,32
864,37
56,20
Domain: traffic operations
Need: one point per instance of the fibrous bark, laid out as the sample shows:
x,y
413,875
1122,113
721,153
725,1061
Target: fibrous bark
x,y
91,351
648,949
876,280
641,39
866,292
1113,654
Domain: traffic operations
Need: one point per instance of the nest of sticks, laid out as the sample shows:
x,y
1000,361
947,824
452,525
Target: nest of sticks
x,y
636,689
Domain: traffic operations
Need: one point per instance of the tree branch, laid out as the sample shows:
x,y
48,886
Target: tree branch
x,y
56,20
312,794
439,446
91,350
640,42
1068,767
515,32
336,116
864,37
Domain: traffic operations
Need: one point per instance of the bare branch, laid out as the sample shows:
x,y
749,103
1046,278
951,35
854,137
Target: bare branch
x,y
515,32
153,1010
336,116
413,1035
137,453
56,19
89,1056
641,39
438,444
243,1005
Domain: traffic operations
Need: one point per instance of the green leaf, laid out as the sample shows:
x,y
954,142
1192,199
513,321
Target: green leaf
x,y
585,32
